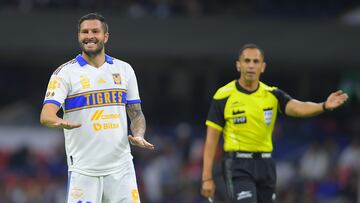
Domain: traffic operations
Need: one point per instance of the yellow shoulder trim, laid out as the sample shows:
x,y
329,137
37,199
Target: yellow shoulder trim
x,y
214,125
225,90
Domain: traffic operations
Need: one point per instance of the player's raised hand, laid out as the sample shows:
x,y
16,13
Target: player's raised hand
x,y
66,124
335,99
140,142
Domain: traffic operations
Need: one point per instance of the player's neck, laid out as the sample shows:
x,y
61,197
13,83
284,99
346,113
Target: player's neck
x,y
250,85
95,61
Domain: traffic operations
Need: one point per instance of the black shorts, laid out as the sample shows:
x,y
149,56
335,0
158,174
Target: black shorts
x,y
249,179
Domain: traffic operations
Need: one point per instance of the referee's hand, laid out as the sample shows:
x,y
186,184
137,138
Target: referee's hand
x,y
208,189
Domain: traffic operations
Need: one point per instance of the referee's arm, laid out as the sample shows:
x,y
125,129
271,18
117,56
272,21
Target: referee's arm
x,y
212,140
298,108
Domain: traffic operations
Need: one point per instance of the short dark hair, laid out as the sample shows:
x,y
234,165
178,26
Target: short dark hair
x,y
251,46
94,16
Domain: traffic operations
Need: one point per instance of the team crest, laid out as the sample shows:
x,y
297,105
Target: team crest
x,y
268,114
116,78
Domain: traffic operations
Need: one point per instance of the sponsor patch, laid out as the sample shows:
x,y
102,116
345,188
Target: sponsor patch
x,y
76,193
243,195
53,84
85,82
240,120
134,195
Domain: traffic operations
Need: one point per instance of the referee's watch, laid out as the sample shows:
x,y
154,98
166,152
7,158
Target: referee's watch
x,y
324,107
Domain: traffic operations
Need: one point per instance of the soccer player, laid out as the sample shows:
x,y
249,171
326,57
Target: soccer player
x,y
96,91
245,111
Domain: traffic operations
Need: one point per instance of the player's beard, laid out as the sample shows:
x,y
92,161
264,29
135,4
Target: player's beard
x,y
92,53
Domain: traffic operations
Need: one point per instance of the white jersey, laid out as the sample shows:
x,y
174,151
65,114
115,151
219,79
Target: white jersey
x,y
95,98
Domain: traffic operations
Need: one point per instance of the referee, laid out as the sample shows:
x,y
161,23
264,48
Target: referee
x,y
245,111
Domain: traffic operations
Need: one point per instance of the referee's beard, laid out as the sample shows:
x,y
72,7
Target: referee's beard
x,y
92,53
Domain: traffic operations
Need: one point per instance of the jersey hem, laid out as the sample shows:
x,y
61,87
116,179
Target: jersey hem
x,y
100,173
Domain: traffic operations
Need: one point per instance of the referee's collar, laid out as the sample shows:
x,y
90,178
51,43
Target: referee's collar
x,y
243,90
82,61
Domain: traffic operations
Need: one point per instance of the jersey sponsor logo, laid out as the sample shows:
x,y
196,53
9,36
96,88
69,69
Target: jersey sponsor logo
x,y
105,126
76,193
116,78
96,98
235,112
268,115
240,120
85,82
244,195
53,84
99,115
50,94
101,81
134,196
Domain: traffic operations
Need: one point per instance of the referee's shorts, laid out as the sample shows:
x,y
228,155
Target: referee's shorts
x,y
250,177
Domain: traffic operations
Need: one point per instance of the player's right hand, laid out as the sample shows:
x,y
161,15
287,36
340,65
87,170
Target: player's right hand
x,y
66,125
208,189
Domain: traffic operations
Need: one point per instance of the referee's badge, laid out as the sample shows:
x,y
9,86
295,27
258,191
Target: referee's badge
x,y
116,78
268,114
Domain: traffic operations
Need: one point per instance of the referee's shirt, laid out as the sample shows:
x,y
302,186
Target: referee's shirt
x,y
246,118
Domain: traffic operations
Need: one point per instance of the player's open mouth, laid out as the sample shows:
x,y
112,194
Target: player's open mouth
x,y
89,43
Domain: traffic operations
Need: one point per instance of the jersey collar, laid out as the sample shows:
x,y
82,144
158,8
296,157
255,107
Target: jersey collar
x,y
243,90
82,61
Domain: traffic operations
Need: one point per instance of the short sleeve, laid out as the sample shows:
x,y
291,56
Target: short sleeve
x,y
132,89
57,89
215,117
282,97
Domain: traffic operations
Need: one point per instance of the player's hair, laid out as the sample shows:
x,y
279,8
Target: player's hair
x,y
94,16
251,46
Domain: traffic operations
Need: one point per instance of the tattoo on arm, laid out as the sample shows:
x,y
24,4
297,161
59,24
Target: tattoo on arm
x,y
137,119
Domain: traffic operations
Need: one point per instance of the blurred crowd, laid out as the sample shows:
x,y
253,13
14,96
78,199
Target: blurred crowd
x,y
316,162
166,8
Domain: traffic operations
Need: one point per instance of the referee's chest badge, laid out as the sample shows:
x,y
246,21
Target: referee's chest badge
x,y
116,78
268,114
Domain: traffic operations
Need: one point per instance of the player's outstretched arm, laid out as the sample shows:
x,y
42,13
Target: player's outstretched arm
x,y
298,108
49,118
137,126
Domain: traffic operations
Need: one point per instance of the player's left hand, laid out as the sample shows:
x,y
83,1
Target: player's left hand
x,y
335,99
140,142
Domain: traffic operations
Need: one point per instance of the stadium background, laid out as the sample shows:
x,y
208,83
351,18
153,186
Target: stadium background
x,y
182,51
